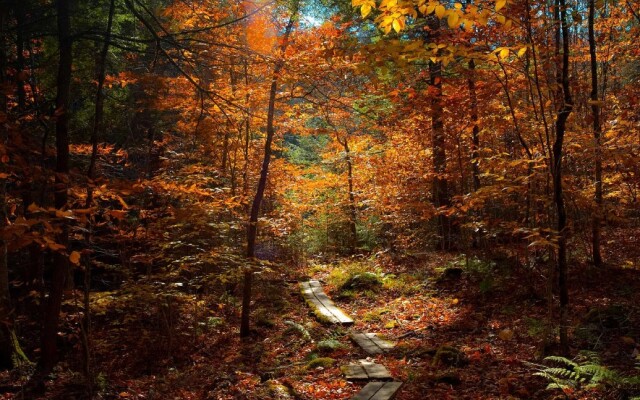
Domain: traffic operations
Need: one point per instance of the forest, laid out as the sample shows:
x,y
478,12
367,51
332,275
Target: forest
x,y
319,199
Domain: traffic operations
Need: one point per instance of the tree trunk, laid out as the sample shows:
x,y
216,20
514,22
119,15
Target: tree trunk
x,y
353,212
597,132
475,133
98,129
440,184
11,354
61,263
252,231
560,126
20,64
4,57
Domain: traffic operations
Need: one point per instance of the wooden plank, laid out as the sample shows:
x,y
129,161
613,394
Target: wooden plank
x,y
369,391
388,391
354,372
375,371
312,291
378,391
366,343
371,343
365,370
383,344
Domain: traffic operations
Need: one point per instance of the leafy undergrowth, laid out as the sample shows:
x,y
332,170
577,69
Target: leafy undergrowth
x,y
464,328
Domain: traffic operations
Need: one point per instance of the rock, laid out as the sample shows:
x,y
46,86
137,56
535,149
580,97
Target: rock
x,y
329,345
450,356
278,390
506,334
321,362
363,281
448,377
452,273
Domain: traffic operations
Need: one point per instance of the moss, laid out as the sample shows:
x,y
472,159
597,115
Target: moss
x,y
278,390
295,328
450,356
362,281
329,345
324,362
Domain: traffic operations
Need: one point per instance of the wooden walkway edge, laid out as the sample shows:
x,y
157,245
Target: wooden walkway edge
x,y
322,305
326,310
378,391
365,370
371,343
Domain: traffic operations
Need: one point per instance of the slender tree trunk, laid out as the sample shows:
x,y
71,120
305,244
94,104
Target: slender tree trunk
x,y
10,352
440,184
561,120
475,133
597,132
4,57
252,230
61,263
20,64
98,128
353,212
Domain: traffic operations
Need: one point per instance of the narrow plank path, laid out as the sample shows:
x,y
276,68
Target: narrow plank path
x,y
326,310
371,343
322,305
378,391
365,370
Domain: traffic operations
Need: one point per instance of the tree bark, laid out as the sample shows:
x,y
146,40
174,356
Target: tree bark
x,y
597,133
252,230
61,263
475,133
560,126
98,128
353,212
440,184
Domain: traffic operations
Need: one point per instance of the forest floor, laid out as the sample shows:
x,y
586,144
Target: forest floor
x,y
465,329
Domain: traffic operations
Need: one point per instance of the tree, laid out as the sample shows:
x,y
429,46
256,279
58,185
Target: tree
x,y
558,196
61,262
597,132
252,230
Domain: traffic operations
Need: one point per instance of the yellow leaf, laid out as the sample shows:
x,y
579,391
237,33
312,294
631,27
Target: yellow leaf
x,y
501,19
440,11
74,258
396,25
452,20
122,202
522,51
504,53
458,6
500,4
365,10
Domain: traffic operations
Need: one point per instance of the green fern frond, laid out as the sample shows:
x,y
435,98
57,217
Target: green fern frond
x,y
562,361
559,386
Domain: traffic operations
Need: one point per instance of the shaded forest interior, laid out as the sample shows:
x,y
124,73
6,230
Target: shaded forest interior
x,y
462,177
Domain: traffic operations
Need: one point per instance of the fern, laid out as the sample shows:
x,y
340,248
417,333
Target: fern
x,y
586,371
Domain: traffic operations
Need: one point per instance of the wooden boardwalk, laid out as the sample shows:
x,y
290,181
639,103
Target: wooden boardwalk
x,y
378,391
326,310
365,370
371,343
322,305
